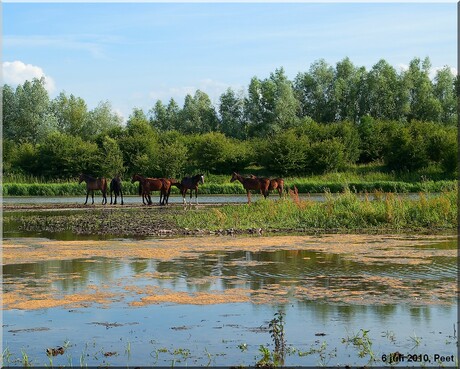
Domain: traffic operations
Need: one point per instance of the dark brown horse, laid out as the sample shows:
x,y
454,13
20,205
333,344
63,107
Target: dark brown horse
x,y
115,187
190,183
251,184
275,184
94,184
146,185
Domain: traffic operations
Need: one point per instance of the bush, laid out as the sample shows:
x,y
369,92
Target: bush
x,y
284,153
64,156
326,156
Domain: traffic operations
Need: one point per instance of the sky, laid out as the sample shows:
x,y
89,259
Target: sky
x,y
133,54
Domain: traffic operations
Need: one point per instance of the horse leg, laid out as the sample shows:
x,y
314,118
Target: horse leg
x,y
87,193
249,196
121,195
167,195
104,197
92,197
111,198
196,195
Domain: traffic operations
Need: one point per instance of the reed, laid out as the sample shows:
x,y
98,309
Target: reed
x,y
378,211
304,185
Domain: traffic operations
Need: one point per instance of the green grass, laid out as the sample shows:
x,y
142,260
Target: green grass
x,y
304,185
359,178
378,211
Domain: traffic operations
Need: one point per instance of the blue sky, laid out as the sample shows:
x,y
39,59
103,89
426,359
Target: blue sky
x,y
132,54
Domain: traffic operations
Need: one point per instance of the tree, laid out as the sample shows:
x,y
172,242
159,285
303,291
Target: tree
x,y
218,154
382,92
444,91
231,110
111,158
26,114
423,104
285,153
314,90
347,91
64,156
159,117
198,115
71,114
139,145
271,105
100,120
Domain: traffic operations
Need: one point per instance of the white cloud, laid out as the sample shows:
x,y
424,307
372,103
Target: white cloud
x,y
17,72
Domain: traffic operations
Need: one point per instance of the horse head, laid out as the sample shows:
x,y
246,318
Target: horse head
x,y
201,178
234,177
136,177
81,178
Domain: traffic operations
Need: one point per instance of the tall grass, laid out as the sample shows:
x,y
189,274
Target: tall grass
x,y
304,185
378,211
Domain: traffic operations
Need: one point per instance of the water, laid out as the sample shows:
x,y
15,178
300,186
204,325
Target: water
x,y
208,301
174,199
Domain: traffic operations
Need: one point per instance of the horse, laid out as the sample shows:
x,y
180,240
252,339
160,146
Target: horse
x,y
166,191
190,183
172,182
115,187
275,184
93,184
249,184
150,184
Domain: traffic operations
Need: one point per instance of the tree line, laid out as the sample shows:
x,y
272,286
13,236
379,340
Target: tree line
x,y
323,120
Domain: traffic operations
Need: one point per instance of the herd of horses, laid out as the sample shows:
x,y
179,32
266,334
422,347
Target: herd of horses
x,y
164,185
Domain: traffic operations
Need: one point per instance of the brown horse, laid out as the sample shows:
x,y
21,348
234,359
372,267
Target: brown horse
x,y
172,182
275,184
115,187
190,183
151,184
93,184
260,184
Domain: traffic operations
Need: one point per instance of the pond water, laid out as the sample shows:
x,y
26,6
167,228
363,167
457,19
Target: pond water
x,y
174,199
208,301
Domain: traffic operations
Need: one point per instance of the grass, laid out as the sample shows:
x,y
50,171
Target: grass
x,y
360,178
304,185
378,211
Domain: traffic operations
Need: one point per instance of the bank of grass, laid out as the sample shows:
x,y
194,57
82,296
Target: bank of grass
x,y
344,212
359,178
304,185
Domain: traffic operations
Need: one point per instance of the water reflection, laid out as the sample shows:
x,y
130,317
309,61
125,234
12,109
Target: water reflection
x,y
267,276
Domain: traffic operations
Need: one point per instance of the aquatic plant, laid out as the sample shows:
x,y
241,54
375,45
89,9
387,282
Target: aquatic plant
x,y
276,330
363,343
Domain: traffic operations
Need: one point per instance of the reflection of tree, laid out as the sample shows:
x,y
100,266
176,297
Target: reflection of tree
x,y
66,275
139,266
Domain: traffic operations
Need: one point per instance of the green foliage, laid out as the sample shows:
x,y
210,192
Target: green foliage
x,y
63,156
216,153
328,118
285,153
111,158
326,156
